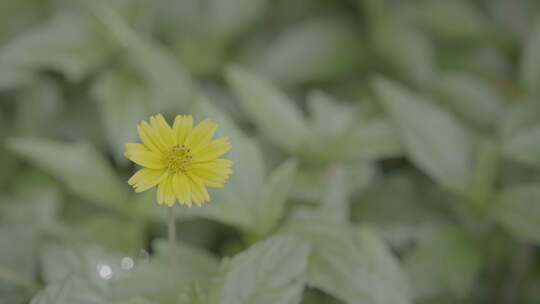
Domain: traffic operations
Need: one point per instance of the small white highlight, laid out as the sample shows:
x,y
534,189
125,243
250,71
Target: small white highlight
x,y
105,271
127,263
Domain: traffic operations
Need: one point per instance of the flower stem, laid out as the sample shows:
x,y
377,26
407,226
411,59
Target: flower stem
x,y
172,243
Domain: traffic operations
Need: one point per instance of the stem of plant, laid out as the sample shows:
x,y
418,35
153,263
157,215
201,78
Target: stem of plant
x,y
172,243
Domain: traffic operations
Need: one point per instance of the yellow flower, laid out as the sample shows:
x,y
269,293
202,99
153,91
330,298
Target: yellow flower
x,y
181,160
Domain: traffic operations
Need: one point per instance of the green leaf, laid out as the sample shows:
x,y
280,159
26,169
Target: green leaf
x,y
69,43
407,51
19,252
41,102
123,102
18,262
268,272
170,84
205,47
35,202
95,265
472,98
11,77
15,17
156,280
195,263
76,290
518,210
350,135
277,117
334,203
134,301
351,267
229,18
70,290
523,146
316,50
433,139
193,295
444,261
517,117
79,165
321,106
112,232
457,20
369,139
530,61
484,176
270,206
402,207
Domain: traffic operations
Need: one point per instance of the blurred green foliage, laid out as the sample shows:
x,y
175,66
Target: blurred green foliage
x,y
385,151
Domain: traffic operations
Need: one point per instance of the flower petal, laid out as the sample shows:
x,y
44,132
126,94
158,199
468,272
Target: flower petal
x,y
182,189
133,147
148,159
199,189
160,193
212,150
168,193
201,134
151,138
209,177
182,126
163,129
146,178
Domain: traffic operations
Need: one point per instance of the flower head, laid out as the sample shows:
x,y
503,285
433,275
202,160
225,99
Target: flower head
x,y
181,160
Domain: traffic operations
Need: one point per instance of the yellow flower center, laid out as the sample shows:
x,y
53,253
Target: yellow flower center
x,y
178,158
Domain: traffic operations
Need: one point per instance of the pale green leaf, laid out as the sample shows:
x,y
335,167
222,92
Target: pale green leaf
x,y
458,20
11,77
267,273
520,115
530,61
444,261
169,83
373,138
111,232
277,117
79,165
354,268
70,290
123,102
433,139
270,206
69,43
407,51
228,18
518,210
316,50
42,104
155,279
524,146
472,98
401,207
95,265
344,132
195,263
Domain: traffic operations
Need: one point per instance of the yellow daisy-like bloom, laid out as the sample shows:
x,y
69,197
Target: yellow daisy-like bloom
x,y
181,160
